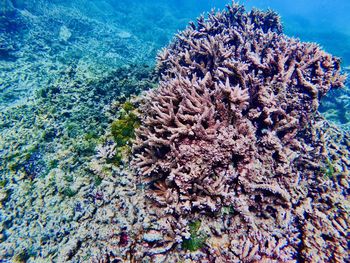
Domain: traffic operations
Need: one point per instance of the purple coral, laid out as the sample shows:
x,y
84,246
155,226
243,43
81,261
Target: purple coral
x,y
232,125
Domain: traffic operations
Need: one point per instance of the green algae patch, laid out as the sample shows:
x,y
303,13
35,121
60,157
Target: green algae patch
x,y
328,170
85,148
97,180
2,183
123,129
227,210
53,164
91,136
196,240
69,192
24,256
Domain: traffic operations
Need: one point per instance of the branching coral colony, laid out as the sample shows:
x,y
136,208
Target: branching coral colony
x,y
233,125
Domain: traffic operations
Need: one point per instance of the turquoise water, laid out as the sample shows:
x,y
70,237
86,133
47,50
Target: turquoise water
x,y
72,75
324,22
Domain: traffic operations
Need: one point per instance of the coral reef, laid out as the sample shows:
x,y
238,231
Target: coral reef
x,y
42,39
124,226
239,166
336,107
62,63
47,147
233,125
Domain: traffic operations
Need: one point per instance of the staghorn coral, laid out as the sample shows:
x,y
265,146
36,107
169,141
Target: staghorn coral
x,y
232,124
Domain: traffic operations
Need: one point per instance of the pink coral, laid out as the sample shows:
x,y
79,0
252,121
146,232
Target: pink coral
x,y
231,125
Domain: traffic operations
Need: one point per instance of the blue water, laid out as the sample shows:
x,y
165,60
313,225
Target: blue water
x,y
325,22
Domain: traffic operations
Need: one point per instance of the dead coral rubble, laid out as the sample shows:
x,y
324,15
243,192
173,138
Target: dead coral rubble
x,y
232,125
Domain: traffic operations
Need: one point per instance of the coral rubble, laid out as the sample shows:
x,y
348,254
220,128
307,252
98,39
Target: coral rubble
x,y
336,105
48,192
234,125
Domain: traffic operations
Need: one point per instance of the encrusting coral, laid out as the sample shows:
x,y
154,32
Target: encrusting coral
x,y
233,124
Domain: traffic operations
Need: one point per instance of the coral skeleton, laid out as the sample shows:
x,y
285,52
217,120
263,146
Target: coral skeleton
x,y
233,124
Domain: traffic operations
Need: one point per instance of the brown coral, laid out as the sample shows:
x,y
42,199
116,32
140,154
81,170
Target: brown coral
x,y
232,124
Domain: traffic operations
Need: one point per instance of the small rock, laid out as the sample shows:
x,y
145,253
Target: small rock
x,y
3,195
152,236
